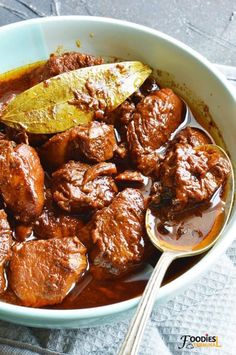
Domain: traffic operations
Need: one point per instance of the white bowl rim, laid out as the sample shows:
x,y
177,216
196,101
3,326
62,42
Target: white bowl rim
x,y
193,272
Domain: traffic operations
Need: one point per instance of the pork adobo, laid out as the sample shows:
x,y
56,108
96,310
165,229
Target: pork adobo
x,y
53,223
5,247
43,271
156,117
21,180
118,233
72,218
94,142
79,187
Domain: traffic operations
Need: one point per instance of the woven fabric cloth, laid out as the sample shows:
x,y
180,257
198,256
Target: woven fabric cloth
x,y
207,306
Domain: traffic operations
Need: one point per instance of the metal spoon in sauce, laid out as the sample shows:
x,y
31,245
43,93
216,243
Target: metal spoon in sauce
x,y
170,253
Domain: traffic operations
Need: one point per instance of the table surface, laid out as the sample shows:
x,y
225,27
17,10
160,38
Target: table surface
x,y
209,26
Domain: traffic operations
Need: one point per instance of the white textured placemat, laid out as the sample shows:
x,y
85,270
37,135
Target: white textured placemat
x,y
207,307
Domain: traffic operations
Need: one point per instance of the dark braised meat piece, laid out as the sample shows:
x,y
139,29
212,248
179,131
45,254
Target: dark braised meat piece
x,y
189,176
21,136
5,247
43,271
189,135
148,164
85,235
94,141
156,117
56,151
130,176
18,136
192,136
118,234
71,61
98,170
66,186
58,64
122,115
125,112
79,187
53,223
21,180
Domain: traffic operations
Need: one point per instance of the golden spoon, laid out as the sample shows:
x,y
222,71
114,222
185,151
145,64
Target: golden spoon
x,y
170,252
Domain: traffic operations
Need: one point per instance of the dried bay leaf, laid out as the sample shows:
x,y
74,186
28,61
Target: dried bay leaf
x,y
72,98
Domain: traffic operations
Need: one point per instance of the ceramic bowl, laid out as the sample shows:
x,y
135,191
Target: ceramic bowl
x,y
178,66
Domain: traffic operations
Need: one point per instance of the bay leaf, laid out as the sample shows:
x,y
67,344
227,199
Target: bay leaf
x,y
72,98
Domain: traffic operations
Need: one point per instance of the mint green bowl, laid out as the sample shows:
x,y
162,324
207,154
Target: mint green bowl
x,y
192,76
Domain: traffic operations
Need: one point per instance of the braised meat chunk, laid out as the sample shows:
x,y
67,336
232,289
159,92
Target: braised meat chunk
x,y
71,61
43,271
21,180
118,234
58,64
131,176
189,176
192,136
188,136
94,141
5,247
54,223
122,115
79,187
148,164
156,117
56,151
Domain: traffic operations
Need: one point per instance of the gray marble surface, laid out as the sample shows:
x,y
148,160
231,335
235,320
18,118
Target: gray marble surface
x,y
209,26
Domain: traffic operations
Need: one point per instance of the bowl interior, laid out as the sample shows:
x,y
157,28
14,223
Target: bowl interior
x,y
174,65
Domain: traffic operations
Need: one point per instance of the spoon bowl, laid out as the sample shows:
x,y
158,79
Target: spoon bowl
x,y
170,252
211,238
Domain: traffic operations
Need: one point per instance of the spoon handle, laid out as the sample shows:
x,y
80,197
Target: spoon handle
x,y
131,343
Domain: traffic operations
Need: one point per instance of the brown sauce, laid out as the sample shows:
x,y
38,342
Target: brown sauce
x,y
91,292
187,231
